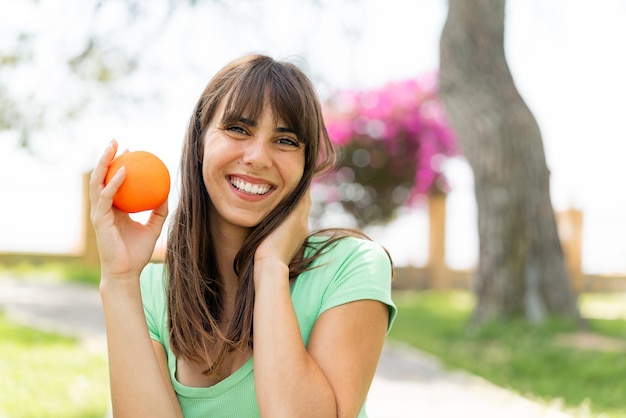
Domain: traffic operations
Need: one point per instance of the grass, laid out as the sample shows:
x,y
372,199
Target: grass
x,y
68,271
45,375
58,374
515,355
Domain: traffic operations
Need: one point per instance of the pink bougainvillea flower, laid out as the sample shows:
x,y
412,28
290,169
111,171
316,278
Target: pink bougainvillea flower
x,y
401,131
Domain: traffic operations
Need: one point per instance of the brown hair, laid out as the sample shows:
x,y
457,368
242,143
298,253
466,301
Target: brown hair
x,y
195,304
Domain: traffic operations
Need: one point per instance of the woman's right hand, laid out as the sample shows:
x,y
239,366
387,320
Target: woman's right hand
x,y
124,245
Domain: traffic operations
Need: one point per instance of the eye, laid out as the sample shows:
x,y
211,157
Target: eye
x,y
285,140
236,129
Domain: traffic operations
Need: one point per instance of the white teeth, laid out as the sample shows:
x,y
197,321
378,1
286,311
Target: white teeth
x,y
258,189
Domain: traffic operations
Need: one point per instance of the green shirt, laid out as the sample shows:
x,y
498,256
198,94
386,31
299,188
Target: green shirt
x,y
352,269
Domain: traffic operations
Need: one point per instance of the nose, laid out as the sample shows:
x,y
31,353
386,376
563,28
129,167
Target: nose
x,y
257,154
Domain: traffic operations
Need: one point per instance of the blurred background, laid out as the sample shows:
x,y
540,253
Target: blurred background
x,y
76,74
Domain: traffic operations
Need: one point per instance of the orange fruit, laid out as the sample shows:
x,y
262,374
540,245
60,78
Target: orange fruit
x,y
146,185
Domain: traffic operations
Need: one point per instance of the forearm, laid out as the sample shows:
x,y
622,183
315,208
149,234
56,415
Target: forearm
x,y
288,381
137,386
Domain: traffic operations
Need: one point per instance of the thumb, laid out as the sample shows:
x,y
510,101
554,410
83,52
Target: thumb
x,y
157,218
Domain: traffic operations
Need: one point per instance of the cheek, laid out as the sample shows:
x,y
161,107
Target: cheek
x,y
296,171
213,154
209,162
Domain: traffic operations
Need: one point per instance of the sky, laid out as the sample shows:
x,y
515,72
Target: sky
x,y
564,55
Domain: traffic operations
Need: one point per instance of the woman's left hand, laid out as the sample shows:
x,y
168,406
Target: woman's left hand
x,y
284,242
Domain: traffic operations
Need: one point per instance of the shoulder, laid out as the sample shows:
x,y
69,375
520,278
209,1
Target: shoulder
x,y
349,250
349,269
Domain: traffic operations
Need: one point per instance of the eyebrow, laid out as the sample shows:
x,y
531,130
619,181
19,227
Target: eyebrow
x,y
285,130
253,123
248,122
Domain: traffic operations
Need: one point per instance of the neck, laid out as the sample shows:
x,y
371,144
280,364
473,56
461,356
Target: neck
x,y
228,240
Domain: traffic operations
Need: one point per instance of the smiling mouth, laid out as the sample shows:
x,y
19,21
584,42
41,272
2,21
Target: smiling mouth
x,y
249,188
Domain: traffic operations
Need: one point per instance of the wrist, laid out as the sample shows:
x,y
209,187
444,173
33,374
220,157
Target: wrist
x,y
119,286
270,269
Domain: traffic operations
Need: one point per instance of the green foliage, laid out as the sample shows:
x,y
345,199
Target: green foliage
x,y
81,273
97,63
69,271
526,359
393,141
371,181
45,375
609,327
8,114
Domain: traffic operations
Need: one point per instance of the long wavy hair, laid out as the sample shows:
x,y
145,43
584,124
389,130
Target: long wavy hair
x,y
195,299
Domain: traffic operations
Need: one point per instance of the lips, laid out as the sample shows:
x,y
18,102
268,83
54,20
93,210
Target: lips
x,y
254,189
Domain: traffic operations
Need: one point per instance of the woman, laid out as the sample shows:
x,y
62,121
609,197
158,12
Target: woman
x,y
250,315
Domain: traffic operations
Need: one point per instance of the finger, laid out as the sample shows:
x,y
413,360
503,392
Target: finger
x,y
105,197
157,218
105,161
96,180
306,210
305,204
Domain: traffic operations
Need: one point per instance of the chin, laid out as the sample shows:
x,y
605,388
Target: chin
x,y
248,223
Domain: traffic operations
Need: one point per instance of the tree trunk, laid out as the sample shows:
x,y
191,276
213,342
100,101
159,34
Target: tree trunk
x,y
521,270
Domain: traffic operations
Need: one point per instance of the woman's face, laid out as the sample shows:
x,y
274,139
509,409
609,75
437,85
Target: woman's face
x,y
249,166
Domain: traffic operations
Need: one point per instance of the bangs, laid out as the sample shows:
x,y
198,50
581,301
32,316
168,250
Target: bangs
x,y
281,90
254,83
